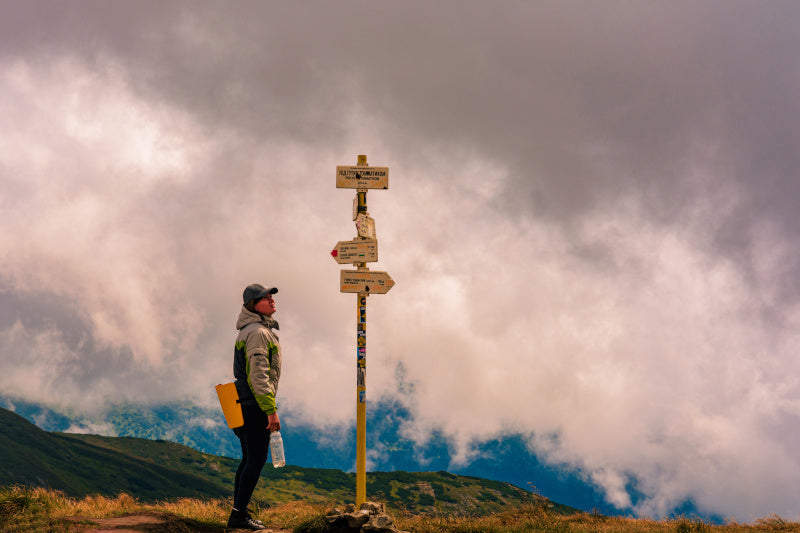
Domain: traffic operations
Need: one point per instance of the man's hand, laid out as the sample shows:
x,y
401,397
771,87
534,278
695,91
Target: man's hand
x,y
273,422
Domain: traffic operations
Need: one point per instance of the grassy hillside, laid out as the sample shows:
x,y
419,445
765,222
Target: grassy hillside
x,y
24,510
150,470
30,456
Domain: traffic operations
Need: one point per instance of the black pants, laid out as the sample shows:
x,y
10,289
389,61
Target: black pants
x,y
254,437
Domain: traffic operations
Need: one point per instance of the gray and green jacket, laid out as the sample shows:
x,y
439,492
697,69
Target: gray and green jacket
x,y
257,360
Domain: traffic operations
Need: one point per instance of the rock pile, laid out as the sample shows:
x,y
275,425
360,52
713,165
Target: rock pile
x,y
370,518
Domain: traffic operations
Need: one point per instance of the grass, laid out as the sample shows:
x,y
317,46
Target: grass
x,y
24,509
536,518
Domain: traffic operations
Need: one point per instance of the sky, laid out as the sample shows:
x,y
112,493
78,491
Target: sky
x,y
590,221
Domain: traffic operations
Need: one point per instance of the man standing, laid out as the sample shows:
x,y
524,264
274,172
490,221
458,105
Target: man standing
x,y
257,369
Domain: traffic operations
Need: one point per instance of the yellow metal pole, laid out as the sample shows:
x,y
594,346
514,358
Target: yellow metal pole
x,y
361,405
361,371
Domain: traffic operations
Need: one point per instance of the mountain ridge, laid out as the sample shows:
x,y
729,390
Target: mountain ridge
x,y
506,457
81,465
32,456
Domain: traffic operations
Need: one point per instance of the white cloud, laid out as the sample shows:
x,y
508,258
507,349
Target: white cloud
x,y
92,428
649,358
86,207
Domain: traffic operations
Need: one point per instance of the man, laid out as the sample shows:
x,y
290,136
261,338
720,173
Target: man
x,y
257,369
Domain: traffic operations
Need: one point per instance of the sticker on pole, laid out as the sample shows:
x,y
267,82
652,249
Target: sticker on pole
x,y
365,225
362,177
367,281
359,251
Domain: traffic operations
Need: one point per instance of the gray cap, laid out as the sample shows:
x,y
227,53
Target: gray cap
x,y
257,291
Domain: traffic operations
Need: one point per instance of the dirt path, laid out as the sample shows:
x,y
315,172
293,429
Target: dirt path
x,y
153,522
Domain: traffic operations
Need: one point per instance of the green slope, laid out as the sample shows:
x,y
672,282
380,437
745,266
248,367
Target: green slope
x,y
30,456
150,470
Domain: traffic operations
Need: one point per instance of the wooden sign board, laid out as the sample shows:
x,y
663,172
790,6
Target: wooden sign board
x,y
360,251
367,281
362,177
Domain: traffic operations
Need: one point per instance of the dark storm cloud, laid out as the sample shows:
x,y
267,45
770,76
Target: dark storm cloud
x,y
557,91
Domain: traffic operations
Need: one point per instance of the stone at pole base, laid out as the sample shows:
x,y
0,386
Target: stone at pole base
x,y
370,518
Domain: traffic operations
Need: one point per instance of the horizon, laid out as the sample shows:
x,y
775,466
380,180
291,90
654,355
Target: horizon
x,y
506,460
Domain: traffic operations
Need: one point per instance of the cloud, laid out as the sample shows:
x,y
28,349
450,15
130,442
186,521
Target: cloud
x,y
590,221
634,350
102,428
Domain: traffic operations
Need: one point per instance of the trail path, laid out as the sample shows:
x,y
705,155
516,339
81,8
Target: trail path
x,y
150,522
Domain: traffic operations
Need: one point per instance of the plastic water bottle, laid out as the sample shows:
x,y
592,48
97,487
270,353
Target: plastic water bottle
x,y
276,447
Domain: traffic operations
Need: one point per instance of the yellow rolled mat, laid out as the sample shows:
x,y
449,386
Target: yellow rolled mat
x,y
229,400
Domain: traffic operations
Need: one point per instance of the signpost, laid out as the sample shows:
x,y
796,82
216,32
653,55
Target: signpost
x,y
366,281
362,177
362,281
358,251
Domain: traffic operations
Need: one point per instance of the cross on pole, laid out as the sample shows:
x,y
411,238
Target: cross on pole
x,y
362,281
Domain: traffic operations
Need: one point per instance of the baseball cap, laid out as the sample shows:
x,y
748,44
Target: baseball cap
x,y
256,291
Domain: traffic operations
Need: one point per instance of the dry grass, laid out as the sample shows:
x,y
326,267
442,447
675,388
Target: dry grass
x,y
99,506
208,511
293,515
35,509
24,509
535,518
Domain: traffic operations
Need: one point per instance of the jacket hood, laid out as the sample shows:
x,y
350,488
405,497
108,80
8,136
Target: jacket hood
x,y
247,317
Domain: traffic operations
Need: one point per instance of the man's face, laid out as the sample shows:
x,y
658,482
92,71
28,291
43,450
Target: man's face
x,y
265,306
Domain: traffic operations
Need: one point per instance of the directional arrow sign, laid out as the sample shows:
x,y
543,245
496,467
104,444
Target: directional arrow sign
x,y
360,251
362,177
368,281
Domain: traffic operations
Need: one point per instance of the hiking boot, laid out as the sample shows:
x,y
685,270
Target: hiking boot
x,y
256,520
242,520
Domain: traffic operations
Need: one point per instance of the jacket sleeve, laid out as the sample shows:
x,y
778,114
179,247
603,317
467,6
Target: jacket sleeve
x,y
260,350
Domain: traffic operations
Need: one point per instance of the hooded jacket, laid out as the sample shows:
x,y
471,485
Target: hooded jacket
x,y
257,360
